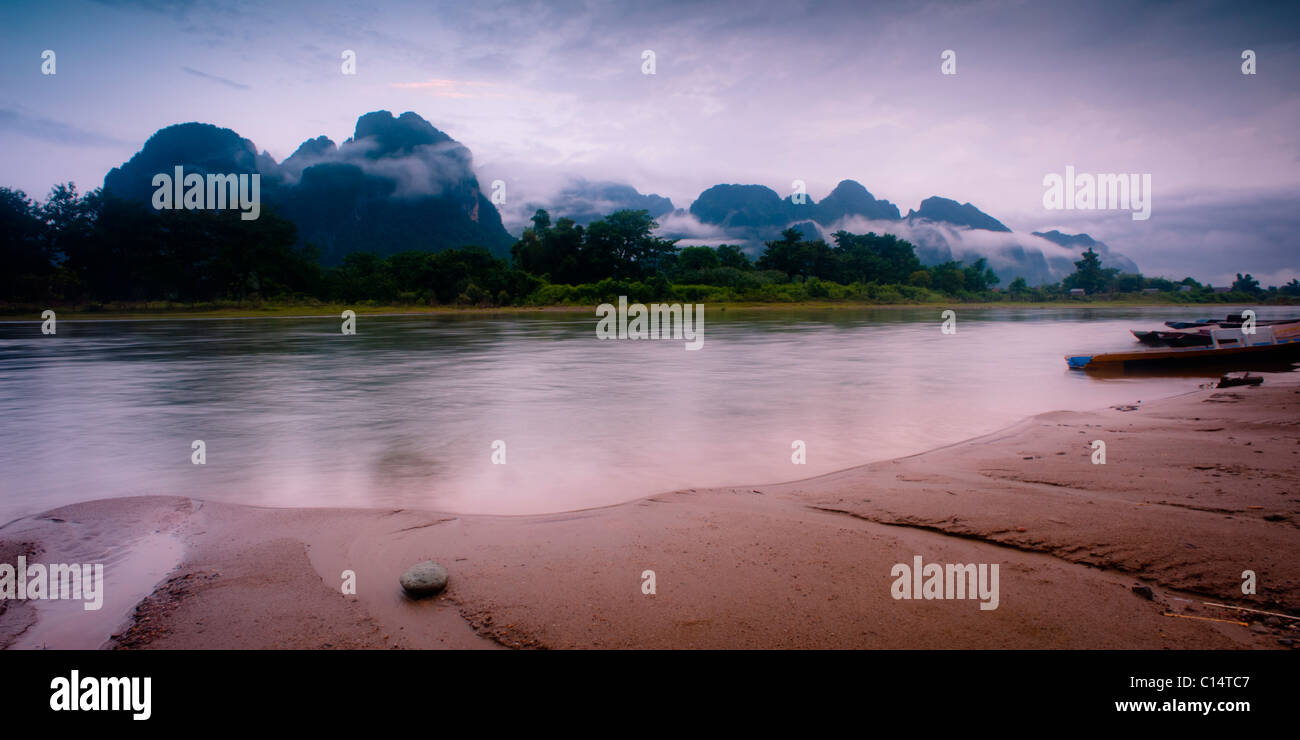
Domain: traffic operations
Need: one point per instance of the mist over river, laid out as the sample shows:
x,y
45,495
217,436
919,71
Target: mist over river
x,y
405,412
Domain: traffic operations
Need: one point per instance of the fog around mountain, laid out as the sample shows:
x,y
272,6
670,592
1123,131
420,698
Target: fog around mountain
x,y
941,229
398,183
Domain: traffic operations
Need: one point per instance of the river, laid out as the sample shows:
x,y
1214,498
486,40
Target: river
x,y
405,413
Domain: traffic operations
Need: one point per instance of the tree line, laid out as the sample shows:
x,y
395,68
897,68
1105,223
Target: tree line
x,y
94,248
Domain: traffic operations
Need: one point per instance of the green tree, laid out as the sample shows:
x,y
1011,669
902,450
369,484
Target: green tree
x,y
1245,284
622,246
1088,274
948,277
979,277
869,257
27,265
783,254
697,258
553,252
1129,283
797,258
733,257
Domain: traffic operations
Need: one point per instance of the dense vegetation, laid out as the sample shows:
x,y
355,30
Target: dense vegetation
x,y
94,249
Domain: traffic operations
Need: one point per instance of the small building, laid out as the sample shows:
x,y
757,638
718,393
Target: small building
x,y
1152,291
1222,289
1185,289
1077,292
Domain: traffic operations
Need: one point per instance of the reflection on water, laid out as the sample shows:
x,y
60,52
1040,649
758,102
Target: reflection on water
x,y
405,412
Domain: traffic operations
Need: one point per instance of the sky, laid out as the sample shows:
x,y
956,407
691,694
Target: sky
x,y
743,92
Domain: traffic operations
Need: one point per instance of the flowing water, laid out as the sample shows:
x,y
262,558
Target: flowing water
x,y
405,412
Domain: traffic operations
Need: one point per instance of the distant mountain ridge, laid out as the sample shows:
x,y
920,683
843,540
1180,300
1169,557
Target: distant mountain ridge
x,y
944,210
398,183
849,198
759,207
942,229
586,201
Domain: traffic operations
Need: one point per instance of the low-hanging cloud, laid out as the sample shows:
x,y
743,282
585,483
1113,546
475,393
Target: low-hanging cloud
x,y
421,170
1010,254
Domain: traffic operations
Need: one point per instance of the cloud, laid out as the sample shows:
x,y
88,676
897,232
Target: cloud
x,y
54,131
429,169
690,231
178,7
1214,235
214,78
446,88
1010,254
419,160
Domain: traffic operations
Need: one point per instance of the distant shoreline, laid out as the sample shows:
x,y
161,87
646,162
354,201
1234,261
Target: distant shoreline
x,y
311,311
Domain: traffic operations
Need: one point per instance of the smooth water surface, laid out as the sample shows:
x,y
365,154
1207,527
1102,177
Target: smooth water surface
x,y
405,412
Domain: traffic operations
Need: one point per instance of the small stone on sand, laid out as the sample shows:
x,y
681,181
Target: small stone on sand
x,y
424,579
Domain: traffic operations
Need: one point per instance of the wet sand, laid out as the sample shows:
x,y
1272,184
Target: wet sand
x,y
1196,489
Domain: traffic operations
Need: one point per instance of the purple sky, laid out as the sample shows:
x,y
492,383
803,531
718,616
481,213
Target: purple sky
x,y
747,92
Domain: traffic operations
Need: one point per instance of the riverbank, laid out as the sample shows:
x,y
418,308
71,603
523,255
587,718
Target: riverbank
x,y
1196,489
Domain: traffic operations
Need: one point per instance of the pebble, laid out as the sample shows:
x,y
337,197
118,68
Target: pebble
x,y
424,579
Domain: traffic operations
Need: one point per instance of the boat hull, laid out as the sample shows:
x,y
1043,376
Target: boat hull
x,y
1184,356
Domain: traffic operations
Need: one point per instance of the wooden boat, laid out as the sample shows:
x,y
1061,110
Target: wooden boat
x,y
1226,346
1197,333
1186,337
1197,337
1151,338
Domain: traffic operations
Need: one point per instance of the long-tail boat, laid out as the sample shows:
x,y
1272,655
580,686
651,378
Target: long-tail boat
x,y
1227,345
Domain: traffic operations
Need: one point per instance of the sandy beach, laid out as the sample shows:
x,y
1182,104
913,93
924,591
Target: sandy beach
x,y
1195,490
